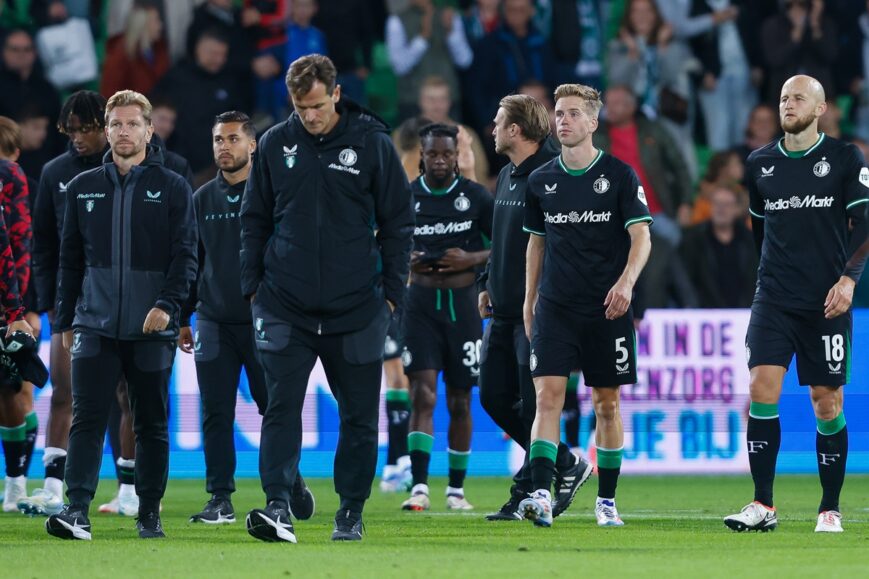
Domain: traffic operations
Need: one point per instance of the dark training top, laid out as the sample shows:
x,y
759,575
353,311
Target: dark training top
x,y
584,215
805,200
452,217
216,296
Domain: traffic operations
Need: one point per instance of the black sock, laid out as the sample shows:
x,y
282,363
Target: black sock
x,y
832,457
763,439
397,418
419,461
542,470
457,477
565,459
14,452
32,424
55,468
607,480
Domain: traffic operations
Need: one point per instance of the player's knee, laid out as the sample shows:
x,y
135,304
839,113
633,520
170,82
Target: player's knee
x,y
61,399
423,398
606,409
459,405
827,403
548,402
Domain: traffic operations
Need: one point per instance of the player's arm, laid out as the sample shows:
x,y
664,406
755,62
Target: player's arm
x,y
841,295
71,271
534,224
46,245
257,221
456,260
618,299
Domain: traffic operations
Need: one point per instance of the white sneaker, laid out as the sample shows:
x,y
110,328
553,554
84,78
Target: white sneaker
x,y
128,501
397,478
418,500
16,489
607,514
43,502
537,508
110,507
753,517
829,522
458,503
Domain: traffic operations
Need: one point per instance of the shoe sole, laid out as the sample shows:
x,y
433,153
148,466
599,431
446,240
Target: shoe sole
x,y
66,531
413,508
503,517
611,524
306,513
344,537
533,515
557,509
221,520
259,526
150,535
741,527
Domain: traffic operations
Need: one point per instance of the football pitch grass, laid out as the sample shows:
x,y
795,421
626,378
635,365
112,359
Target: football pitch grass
x,y
673,529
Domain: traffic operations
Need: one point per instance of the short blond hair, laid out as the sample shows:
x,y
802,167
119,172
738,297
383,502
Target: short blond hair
x,y
528,114
10,137
589,95
129,98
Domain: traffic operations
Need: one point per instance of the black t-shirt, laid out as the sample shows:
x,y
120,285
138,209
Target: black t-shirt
x,y
805,199
727,272
584,215
452,217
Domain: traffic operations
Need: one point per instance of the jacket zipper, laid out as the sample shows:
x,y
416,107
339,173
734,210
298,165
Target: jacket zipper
x,y
318,265
121,253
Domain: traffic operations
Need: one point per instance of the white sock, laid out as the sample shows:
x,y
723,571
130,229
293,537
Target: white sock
x,y
420,489
51,453
452,491
54,486
127,490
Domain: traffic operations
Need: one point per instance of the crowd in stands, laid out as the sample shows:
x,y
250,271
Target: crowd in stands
x,y
691,87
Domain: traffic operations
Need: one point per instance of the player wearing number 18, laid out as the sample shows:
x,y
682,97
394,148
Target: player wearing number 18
x,y
589,225
808,197
441,327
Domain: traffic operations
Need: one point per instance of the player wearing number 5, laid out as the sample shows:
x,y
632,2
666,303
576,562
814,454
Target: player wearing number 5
x,y
441,326
589,225
808,195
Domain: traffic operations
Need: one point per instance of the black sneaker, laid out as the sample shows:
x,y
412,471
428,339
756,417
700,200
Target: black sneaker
x,y
567,482
301,500
149,526
217,511
70,523
348,526
271,524
510,510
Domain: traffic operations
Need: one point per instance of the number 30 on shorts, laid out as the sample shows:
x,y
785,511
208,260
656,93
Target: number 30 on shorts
x,y
472,353
834,347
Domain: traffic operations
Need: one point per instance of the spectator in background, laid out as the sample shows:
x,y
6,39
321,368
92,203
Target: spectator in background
x,y
22,84
201,89
435,105
540,92
719,254
482,18
177,17
31,14
644,58
406,141
350,32
34,124
515,52
726,169
647,146
830,123
271,64
239,29
163,117
271,17
763,127
577,37
424,41
800,39
731,59
136,59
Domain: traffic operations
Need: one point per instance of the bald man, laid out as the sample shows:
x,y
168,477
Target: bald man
x,y
809,193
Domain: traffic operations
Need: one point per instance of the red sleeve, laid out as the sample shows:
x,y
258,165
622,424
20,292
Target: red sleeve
x,y
12,308
16,214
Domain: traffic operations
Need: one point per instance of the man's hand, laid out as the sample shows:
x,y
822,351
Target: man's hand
x,y
417,265
391,306
35,321
484,305
185,340
156,321
20,326
455,260
618,299
67,340
528,318
839,298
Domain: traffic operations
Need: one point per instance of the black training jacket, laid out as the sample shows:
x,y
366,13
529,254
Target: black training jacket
x,y
128,245
308,219
217,296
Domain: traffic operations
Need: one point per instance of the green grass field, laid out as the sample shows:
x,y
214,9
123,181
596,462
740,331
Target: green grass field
x,y
673,529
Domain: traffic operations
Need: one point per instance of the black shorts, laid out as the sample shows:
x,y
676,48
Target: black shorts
x,y
822,346
604,349
394,343
442,331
